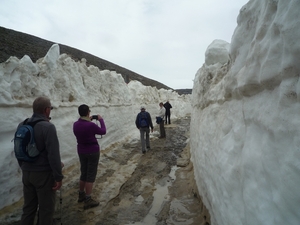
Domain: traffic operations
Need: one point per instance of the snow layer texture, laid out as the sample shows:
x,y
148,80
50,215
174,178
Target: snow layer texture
x,y
69,84
245,126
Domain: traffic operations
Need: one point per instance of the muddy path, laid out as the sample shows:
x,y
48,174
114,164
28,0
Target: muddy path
x,y
133,188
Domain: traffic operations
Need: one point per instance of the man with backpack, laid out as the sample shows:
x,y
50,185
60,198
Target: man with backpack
x,y
43,176
143,122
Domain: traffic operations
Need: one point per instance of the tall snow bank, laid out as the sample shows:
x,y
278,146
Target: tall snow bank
x,y
217,52
245,125
69,84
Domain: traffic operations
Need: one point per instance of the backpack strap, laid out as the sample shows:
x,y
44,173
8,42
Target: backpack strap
x,y
25,121
32,123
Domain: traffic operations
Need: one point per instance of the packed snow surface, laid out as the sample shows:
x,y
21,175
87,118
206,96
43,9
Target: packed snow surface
x,y
245,126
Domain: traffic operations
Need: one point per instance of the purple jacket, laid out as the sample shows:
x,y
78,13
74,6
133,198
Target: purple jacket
x,y
85,132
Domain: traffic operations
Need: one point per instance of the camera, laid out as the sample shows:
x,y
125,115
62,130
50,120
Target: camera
x,y
94,117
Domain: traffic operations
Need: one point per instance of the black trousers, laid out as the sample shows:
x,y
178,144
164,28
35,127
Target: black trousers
x,y
38,195
168,118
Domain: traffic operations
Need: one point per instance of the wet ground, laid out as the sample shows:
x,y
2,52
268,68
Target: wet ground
x,y
134,188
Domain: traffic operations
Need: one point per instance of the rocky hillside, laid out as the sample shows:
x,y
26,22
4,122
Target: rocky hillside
x,y
13,43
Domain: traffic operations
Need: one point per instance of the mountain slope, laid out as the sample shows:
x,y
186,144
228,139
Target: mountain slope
x,y
13,43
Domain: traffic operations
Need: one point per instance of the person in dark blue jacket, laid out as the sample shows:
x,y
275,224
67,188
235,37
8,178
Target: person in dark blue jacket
x,y
143,122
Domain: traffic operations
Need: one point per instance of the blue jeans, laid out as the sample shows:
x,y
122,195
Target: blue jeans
x,y
145,143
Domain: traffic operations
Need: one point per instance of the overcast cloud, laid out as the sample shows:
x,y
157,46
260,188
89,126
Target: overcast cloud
x,y
164,40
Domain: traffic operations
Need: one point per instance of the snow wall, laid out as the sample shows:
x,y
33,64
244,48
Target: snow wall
x,y
69,84
245,126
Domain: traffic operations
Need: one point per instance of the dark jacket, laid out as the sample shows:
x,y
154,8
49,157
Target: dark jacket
x,y
168,107
47,143
149,120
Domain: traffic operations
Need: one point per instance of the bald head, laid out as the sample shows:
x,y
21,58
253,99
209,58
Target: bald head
x,y
40,104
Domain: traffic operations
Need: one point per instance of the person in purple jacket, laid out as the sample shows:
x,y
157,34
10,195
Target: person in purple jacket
x,y
89,153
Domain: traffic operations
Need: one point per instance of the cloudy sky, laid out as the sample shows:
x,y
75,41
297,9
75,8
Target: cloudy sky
x,y
164,40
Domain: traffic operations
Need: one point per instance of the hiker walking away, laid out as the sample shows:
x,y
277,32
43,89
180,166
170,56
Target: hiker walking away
x,y
161,114
168,107
88,151
143,122
42,177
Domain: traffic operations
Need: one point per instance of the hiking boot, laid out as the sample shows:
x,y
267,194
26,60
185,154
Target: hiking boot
x,y
81,196
143,152
90,203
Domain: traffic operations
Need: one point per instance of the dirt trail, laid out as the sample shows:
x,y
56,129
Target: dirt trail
x,y
155,188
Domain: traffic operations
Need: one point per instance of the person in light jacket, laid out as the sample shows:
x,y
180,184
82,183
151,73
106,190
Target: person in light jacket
x,y
161,114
